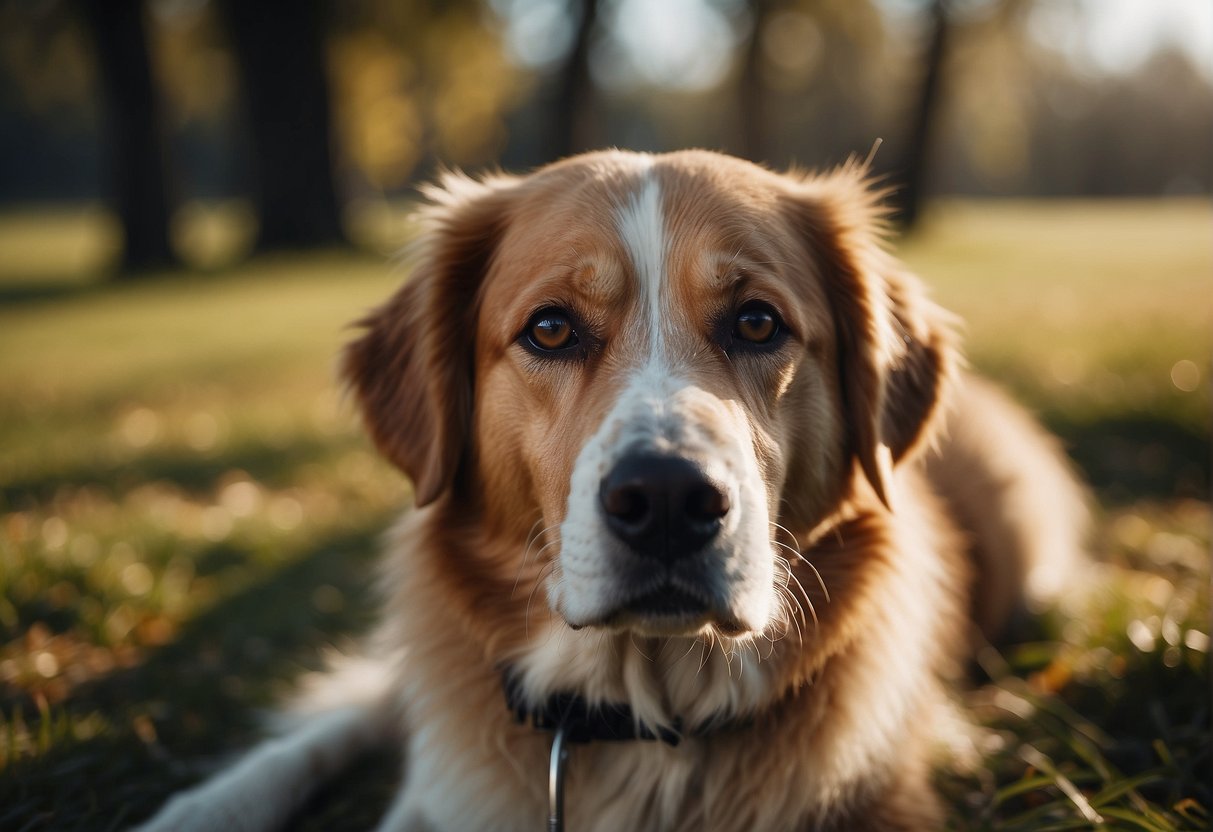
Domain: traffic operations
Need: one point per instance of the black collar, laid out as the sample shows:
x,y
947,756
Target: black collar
x,y
580,721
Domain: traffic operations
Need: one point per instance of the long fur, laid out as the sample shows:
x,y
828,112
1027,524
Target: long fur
x,y
894,484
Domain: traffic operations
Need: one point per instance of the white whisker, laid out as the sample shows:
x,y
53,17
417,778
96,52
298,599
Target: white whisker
x,y
532,539
782,561
544,572
788,532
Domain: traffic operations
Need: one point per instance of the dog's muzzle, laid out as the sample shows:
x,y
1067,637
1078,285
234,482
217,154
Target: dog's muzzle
x,y
664,508
667,513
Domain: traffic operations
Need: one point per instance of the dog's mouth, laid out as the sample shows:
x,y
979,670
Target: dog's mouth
x,y
666,601
669,609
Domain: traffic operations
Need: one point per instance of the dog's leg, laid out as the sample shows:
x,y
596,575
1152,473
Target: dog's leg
x,y
403,815
341,715
262,790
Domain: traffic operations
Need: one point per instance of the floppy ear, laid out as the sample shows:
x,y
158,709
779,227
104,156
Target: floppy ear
x,y
412,369
896,348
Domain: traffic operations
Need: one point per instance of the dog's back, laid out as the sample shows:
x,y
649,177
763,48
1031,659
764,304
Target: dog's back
x,y
1010,488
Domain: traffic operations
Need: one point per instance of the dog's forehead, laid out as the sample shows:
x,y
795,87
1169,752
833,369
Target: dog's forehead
x,y
641,201
618,227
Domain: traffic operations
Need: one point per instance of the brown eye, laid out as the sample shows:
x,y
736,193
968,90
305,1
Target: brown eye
x,y
756,324
551,330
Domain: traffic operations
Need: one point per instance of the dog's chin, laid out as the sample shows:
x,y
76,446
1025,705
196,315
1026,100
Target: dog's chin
x,y
668,626
668,612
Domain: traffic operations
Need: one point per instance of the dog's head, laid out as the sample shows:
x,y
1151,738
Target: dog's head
x,y
661,363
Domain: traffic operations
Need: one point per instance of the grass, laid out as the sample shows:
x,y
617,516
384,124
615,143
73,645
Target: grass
x,y
188,513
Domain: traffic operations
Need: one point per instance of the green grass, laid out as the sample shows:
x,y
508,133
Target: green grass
x,y
188,512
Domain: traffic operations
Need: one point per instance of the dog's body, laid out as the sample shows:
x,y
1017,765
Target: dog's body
x,y
664,417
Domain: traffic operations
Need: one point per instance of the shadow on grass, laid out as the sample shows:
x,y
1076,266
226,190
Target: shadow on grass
x,y
1144,733
193,472
19,294
1140,738
26,290
232,555
1129,457
194,698
19,288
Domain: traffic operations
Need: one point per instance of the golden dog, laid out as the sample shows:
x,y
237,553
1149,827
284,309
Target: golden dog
x,y
684,508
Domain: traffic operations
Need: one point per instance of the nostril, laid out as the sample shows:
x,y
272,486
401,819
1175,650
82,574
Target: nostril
x,y
706,503
626,503
661,506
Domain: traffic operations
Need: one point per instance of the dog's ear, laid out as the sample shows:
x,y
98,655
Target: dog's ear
x,y
411,370
896,348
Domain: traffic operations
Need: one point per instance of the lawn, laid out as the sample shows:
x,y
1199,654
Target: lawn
x,y
188,511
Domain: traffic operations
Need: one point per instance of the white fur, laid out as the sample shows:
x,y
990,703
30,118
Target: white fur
x,y
641,226
651,786
661,411
470,768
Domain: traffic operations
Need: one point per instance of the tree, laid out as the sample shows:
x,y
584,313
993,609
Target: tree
x,y
911,167
138,152
573,101
280,49
755,120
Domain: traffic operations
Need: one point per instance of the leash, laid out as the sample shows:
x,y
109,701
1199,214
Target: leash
x,y
556,764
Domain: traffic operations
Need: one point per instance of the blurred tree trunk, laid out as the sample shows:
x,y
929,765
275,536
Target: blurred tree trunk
x,y
911,169
138,151
573,104
280,48
751,88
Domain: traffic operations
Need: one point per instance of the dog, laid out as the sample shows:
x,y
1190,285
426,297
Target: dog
x,y
707,513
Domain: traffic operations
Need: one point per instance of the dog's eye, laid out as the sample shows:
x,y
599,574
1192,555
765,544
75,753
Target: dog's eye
x,y
551,330
756,323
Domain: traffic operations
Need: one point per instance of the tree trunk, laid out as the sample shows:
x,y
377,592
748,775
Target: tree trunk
x,y
751,89
280,48
573,104
137,149
912,167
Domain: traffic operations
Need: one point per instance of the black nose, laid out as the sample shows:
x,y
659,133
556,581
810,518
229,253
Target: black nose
x,y
662,506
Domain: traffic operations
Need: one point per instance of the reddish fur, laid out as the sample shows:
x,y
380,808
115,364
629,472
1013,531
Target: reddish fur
x,y
832,727
498,460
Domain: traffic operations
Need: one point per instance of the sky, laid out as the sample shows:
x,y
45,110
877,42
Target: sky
x,y
678,43
1119,35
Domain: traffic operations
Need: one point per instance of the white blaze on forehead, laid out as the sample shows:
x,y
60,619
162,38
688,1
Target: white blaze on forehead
x,y
660,410
642,229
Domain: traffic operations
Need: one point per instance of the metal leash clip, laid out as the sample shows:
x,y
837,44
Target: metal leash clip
x,y
556,764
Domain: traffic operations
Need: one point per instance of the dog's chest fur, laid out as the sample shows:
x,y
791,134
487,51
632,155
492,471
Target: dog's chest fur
x,y
805,736
670,422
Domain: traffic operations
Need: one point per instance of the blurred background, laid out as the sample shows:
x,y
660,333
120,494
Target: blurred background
x,y
198,196
301,126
